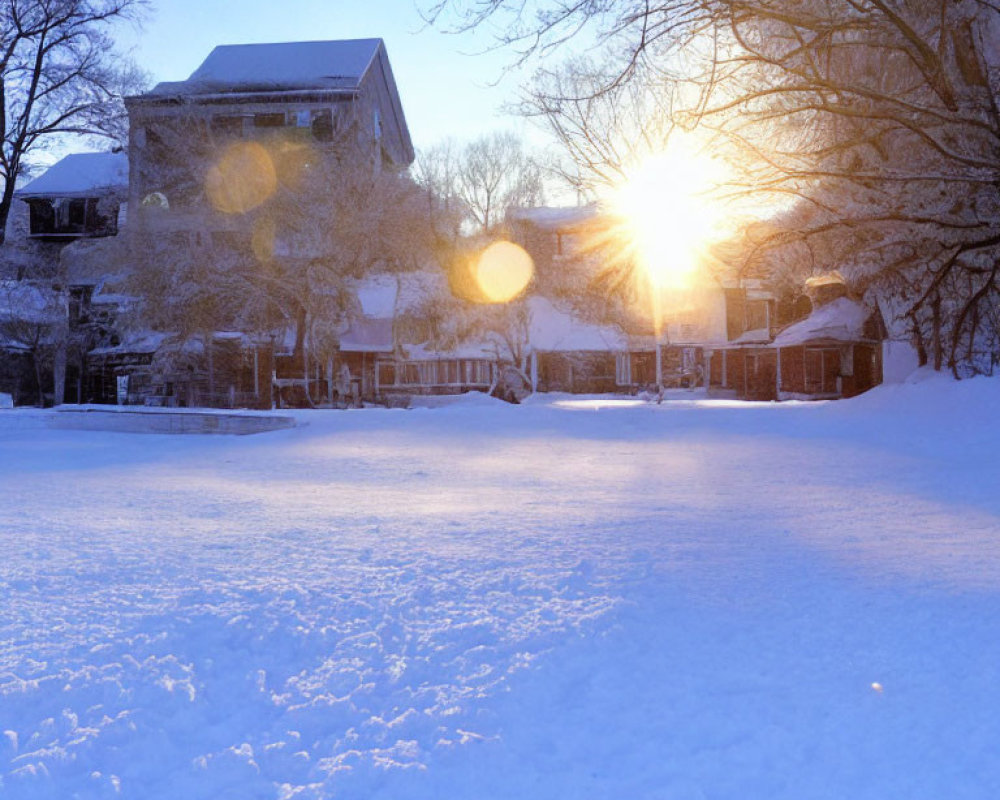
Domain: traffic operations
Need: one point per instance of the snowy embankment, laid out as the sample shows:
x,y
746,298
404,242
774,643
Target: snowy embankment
x,y
572,598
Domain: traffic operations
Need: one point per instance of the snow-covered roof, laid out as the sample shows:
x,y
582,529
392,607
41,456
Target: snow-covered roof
x,y
553,330
383,296
80,175
425,352
554,216
377,296
142,342
332,65
756,336
841,320
368,335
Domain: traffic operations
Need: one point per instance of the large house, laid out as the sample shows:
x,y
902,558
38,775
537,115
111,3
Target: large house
x,y
307,92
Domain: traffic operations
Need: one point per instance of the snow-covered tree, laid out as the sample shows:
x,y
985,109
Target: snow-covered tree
x,y
878,117
260,236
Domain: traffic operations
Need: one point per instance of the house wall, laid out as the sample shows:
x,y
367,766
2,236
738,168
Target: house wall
x,y
811,370
830,370
577,372
378,92
22,257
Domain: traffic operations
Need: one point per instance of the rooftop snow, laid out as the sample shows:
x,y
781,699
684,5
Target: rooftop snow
x,y
555,216
377,296
367,335
383,296
80,174
841,320
337,64
555,330
471,349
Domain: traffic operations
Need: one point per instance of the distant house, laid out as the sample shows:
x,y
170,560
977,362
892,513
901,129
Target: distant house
x,y
386,348
568,354
665,340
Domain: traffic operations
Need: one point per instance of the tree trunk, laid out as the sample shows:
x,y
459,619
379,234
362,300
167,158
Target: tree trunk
x,y
59,376
38,378
209,341
936,332
6,200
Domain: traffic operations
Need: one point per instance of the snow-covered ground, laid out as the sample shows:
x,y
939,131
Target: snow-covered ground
x,y
574,598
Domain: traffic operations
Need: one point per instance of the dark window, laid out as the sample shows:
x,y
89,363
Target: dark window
x,y
42,216
269,120
76,215
757,317
322,126
227,126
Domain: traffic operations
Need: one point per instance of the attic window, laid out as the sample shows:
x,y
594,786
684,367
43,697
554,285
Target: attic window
x,y
377,125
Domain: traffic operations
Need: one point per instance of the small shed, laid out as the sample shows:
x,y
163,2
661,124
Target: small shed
x,y
834,352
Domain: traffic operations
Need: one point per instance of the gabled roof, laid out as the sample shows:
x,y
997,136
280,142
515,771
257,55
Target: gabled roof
x,y
283,66
80,175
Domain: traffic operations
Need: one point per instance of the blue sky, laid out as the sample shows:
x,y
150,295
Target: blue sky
x,y
448,84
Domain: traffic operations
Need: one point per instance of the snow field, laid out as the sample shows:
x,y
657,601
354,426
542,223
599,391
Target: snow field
x,y
572,598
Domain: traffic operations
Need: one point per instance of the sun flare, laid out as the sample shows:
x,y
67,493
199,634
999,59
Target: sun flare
x,y
669,217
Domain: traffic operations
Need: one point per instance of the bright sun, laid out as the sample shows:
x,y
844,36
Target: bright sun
x,y
669,217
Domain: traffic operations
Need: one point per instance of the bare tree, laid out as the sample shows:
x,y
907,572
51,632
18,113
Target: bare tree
x,y
56,77
496,175
481,181
436,169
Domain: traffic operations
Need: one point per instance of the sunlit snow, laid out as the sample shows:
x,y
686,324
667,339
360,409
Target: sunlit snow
x,y
573,598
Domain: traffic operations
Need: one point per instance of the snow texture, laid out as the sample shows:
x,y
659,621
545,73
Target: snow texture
x,y
572,598
81,175
366,335
30,303
286,66
552,330
841,320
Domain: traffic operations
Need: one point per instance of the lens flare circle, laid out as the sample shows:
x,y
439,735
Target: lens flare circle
x,y
242,179
503,271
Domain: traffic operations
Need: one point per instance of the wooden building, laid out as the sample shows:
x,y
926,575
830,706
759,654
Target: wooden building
x,y
834,352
